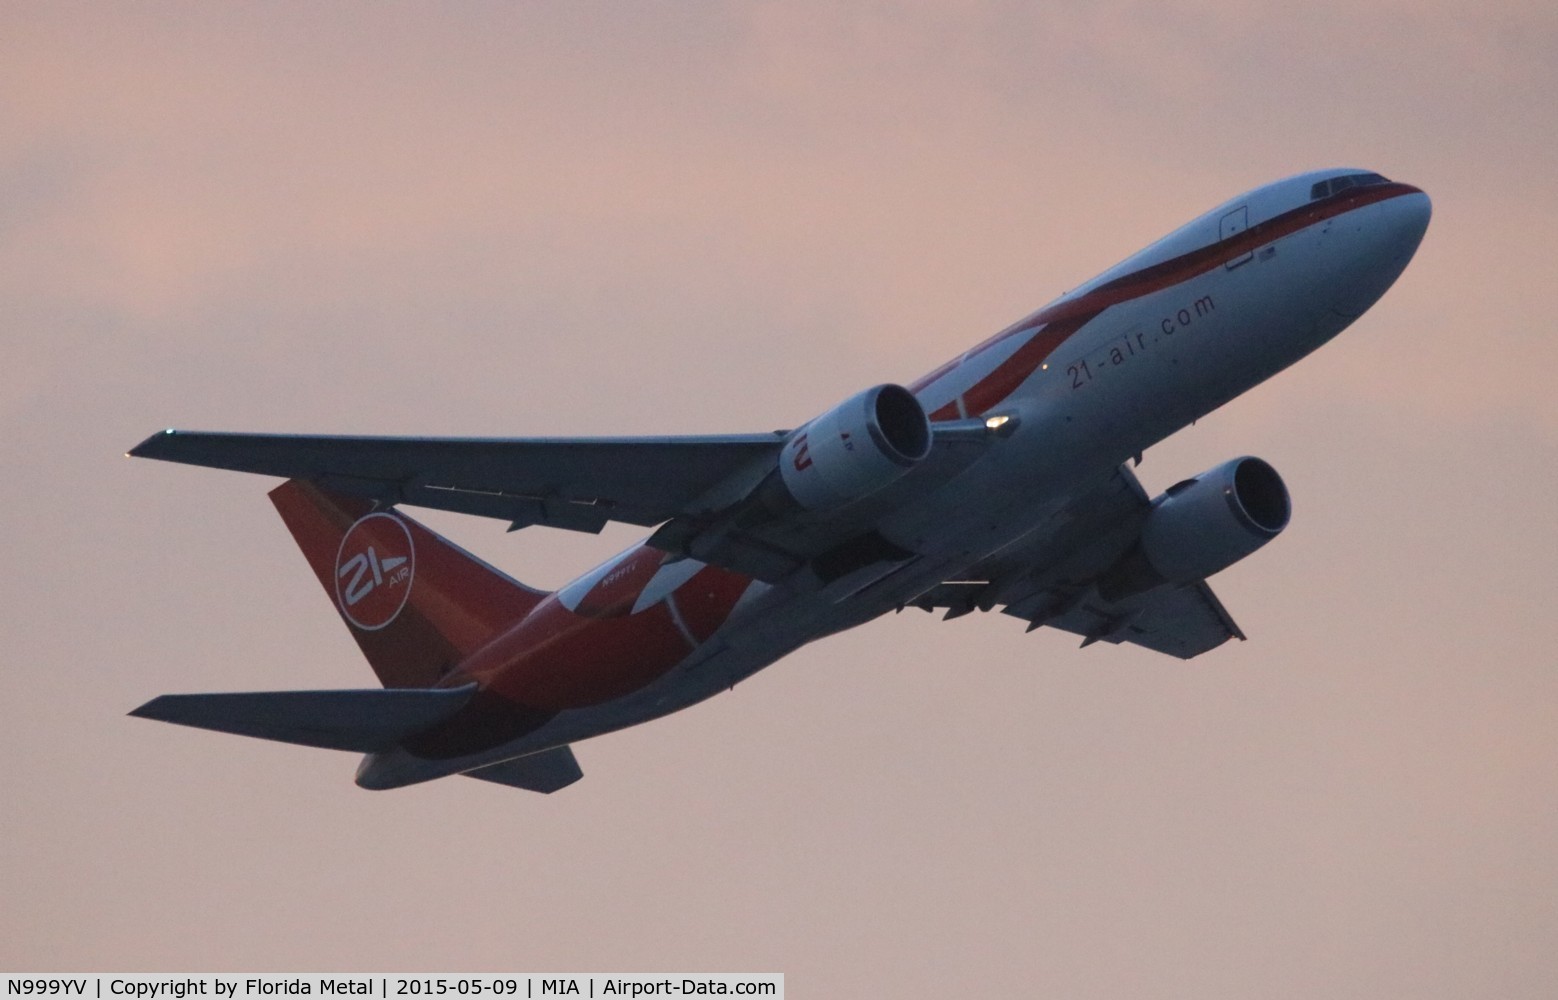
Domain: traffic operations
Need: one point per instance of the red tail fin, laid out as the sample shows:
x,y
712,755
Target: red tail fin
x,y
415,602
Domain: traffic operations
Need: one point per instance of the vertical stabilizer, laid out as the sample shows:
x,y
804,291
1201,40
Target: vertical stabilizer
x,y
415,602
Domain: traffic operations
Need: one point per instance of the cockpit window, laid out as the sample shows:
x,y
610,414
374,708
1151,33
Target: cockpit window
x,y
1324,189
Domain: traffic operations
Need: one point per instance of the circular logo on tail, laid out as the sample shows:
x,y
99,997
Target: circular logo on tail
x,y
373,570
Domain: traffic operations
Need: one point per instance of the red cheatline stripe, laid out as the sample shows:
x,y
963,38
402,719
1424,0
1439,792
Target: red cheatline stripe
x,y
1009,375
1069,315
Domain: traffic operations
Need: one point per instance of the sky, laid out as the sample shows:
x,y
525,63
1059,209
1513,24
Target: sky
x,y
592,218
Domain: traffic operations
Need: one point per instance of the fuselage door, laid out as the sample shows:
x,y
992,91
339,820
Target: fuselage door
x,y
1234,224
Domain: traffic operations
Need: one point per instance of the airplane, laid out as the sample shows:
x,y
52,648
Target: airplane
x,y
998,480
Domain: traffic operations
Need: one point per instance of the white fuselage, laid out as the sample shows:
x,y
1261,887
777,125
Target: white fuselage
x,y
1152,344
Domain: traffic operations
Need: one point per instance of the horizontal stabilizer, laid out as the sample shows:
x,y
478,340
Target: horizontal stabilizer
x,y
363,721
546,771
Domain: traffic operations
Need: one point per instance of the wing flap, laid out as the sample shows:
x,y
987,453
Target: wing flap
x,y
1050,579
543,772
364,721
1183,622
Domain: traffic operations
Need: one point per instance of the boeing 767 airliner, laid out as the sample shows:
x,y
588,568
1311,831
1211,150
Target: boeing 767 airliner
x,y
999,480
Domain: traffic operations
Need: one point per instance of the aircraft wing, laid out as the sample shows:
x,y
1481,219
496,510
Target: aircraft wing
x,y
575,483
700,490
1051,578
1183,622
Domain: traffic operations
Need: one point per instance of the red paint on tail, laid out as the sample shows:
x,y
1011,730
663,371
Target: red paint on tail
x,y
416,603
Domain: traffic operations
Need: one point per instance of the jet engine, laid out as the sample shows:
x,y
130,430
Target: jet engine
x,y
858,447
1204,525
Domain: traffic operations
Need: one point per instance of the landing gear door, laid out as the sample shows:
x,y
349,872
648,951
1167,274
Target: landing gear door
x,y
1233,224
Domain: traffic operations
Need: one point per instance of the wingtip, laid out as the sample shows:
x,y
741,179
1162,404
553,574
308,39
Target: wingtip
x,y
147,710
148,448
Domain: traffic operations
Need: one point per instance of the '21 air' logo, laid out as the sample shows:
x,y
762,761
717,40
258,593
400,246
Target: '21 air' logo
x,y
373,570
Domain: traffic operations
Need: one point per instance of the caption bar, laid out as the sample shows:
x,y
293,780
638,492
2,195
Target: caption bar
x,y
232,986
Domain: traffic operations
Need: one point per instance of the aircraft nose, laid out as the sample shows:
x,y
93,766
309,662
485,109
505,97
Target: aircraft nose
x,y
1396,229
1412,215
1382,243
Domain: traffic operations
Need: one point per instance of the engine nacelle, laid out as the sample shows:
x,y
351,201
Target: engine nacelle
x,y
858,447
1204,525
